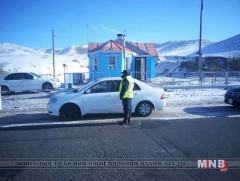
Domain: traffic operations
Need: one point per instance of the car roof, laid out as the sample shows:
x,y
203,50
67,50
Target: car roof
x,y
19,72
237,89
110,78
142,84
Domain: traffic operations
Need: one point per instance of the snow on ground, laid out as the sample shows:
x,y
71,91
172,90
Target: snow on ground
x,y
181,104
189,97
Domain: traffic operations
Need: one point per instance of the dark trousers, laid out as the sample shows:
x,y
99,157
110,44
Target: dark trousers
x,y
127,106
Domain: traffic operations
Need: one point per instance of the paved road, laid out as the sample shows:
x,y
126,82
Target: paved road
x,y
182,132
104,139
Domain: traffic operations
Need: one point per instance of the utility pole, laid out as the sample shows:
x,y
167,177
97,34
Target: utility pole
x,y
200,46
227,72
124,53
54,76
87,35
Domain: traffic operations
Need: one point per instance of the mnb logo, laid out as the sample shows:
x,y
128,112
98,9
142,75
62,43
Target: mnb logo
x,y
221,164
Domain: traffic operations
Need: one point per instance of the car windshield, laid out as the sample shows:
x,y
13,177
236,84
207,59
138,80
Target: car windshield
x,y
36,75
85,86
236,89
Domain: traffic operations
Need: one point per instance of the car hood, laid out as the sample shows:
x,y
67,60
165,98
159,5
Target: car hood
x,y
65,93
47,78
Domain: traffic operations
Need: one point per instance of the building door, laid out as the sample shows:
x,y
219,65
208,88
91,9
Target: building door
x,y
140,68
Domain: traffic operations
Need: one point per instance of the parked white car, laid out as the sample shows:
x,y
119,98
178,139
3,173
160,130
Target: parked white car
x,y
102,96
26,81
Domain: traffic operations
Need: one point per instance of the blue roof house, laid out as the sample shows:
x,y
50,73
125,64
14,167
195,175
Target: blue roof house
x,y
107,59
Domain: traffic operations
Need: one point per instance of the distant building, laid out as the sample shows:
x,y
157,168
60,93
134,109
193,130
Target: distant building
x,y
107,59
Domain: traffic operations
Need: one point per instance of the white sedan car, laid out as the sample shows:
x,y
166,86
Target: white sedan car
x,y
102,96
26,81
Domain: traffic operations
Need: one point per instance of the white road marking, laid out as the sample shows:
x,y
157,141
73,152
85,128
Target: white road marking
x,y
60,123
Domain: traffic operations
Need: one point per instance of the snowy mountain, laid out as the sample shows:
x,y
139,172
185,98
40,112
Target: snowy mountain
x,y
48,51
180,48
73,50
18,58
228,47
66,51
7,48
172,54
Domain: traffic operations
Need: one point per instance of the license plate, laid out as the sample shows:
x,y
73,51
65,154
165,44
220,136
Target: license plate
x,y
230,101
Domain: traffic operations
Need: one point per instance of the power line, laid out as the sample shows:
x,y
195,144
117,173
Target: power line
x,y
145,14
160,15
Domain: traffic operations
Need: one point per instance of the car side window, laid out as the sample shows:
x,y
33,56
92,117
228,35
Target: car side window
x,y
13,77
9,77
101,87
136,87
27,76
117,84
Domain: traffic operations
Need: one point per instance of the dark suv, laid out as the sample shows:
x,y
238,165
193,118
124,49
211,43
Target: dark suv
x,y
232,96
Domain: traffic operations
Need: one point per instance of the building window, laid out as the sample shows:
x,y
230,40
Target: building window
x,y
128,63
95,64
112,63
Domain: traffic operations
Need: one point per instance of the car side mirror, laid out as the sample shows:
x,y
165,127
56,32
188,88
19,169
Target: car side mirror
x,y
88,91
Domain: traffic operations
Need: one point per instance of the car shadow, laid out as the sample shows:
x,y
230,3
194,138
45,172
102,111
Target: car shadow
x,y
40,97
101,116
217,111
10,93
45,121
35,95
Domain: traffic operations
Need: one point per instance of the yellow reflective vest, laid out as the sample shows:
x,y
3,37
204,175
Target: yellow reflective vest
x,y
129,91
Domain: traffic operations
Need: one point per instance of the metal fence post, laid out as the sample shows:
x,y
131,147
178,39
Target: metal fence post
x,y
0,98
226,78
172,80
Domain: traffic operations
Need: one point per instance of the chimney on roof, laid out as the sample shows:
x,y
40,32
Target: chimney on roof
x,y
120,36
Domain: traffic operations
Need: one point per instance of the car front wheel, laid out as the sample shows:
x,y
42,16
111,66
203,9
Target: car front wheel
x,y
70,112
47,86
144,109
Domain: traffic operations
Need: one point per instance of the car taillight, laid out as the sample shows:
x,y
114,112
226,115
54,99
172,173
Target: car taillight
x,y
163,96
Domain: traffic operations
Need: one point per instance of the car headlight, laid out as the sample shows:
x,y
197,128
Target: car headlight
x,y
55,80
52,100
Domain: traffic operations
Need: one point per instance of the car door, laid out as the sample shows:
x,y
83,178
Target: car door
x,y
118,103
99,98
29,82
13,81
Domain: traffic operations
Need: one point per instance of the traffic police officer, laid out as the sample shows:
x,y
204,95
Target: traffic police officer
x,y
126,95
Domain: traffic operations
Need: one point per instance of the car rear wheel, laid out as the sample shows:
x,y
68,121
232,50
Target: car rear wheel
x,y
144,109
236,104
70,112
47,86
4,90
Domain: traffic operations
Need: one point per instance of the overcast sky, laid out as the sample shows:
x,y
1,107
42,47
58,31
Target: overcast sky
x,y
77,22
